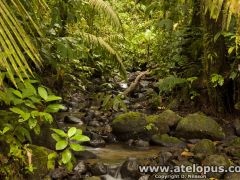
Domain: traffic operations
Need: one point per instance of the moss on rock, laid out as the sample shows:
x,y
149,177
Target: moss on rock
x,y
166,117
39,160
198,125
129,125
166,140
205,146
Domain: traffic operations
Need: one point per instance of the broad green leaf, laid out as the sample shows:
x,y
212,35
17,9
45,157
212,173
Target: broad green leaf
x,y
61,145
66,156
26,116
37,129
43,93
77,147
53,98
26,93
69,166
24,132
230,50
52,108
30,87
5,129
48,117
56,137
32,122
35,114
30,104
59,132
80,137
52,155
17,110
35,100
18,93
51,164
72,131
21,120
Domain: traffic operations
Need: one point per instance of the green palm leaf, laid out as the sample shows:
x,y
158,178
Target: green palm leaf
x,y
15,45
90,38
105,7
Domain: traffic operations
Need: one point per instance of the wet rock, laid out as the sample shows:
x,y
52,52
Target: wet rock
x,y
141,143
73,120
204,146
59,173
166,117
236,125
83,155
216,160
94,123
110,138
232,176
164,157
145,177
140,95
233,151
129,125
97,142
130,169
39,161
144,83
98,169
80,168
89,116
198,125
166,140
113,170
156,127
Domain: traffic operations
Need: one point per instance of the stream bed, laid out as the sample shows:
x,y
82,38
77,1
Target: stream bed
x,y
116,154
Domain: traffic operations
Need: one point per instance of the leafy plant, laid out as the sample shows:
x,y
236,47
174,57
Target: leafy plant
x,y
29,107
217,80
65,144
149,126
111,102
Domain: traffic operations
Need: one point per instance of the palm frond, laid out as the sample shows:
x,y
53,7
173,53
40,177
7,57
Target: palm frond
x,y
90,38
105,7
230,8
15,45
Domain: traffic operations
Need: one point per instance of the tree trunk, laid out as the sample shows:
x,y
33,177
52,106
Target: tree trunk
x,y
214,61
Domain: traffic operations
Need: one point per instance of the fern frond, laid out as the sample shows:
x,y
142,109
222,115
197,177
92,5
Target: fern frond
x,y
105,7
90,38
15,45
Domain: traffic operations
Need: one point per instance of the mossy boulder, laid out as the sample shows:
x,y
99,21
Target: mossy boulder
x,y
233,148
205,146
198,125
216,160
39,160
166,140
129,125
166,118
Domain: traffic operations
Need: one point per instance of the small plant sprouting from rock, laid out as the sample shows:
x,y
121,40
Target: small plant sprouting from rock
x,y
65,144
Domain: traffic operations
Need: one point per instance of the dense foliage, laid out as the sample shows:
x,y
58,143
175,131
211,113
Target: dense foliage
x,y
190,47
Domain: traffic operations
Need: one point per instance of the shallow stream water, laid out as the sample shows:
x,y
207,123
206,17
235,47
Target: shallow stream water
x,y
118,153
